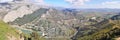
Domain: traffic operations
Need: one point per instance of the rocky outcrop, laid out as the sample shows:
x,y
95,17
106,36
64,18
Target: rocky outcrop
x,y
15,9
20,12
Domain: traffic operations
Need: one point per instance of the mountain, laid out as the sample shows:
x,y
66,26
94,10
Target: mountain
x,y
110,32
116,17
12,10
55,23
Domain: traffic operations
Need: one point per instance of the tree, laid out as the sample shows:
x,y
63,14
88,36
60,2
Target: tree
x,y
35,36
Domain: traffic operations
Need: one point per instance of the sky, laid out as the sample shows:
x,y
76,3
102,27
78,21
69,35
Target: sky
x,y
78,3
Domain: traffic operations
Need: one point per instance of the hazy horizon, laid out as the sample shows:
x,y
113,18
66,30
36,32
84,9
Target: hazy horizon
x,y
112,4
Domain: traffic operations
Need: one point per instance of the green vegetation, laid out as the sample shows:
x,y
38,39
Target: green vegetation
x,y
109,33
33,36
36,36
5,29
30,17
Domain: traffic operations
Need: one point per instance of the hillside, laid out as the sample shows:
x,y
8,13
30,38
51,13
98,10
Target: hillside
x,y
8,33
39,20
110,32
56,23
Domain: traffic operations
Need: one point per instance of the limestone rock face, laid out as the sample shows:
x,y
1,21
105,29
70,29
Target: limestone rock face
x,y
20,12
15,9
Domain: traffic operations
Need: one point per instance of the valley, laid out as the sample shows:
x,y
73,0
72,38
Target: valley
x,y
21,20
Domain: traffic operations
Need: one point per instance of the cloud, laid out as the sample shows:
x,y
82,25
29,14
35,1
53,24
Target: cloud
x,y
111,4
77,2
82,4
105,4
39,1
2,1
